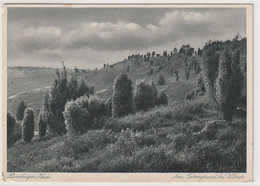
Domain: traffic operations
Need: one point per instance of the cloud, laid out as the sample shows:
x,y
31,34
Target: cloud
x,y
81,40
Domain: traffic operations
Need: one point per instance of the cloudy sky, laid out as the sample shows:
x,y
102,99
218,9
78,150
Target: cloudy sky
x,y
89,37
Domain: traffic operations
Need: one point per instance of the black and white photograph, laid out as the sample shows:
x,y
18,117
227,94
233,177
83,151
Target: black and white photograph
x,y
128,89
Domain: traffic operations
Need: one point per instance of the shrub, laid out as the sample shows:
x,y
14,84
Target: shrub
x,y
161,80
28,125
154,92
81,115
56,98
143,96
54,102
72,86
225,84
180,142
109,107
17,132
81,90
229,85
150,72
122,96
20,111
162,100
10,128
200,82
41,125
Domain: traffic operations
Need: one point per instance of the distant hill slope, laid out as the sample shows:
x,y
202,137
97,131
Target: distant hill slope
x,y
26,79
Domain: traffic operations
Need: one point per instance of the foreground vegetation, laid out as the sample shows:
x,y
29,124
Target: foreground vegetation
x,y
175,138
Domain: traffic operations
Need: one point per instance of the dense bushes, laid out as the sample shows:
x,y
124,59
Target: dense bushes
x,y
223,78
160,80
14,131
42,126
143,96
83,114
56,98
122,96
171,149
146,96
20,111
162,99
10,125
109,107
200,82
28,125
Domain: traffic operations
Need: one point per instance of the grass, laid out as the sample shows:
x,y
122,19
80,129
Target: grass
x,y
176,138
25,79
185,136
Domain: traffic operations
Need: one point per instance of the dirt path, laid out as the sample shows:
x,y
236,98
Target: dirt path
x,y
98,92
30,91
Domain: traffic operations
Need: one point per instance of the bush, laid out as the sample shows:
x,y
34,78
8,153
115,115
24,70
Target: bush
x,y
109,107
54,102
229,85
150,72
82,114
28,125
20,111
56,98
41,125
224,84
10,128
17,132
122,96
154,92
162,100
143,96
180,142
200,82
161,80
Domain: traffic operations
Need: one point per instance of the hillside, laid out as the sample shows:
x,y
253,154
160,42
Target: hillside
x,y
22,81
187,135
176,138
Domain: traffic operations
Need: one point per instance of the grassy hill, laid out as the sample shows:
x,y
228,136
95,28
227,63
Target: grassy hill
x,y
185,136
176,138
29,84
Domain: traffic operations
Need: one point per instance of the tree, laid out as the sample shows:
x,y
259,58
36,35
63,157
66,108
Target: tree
x,y
160,80
82,89
122,96
226,84
72,86
128,69
175,50
76,70
54,102
28,125
162,100
41,125
109,107
210,65
10,128
200,82
56,98
20,111
155,92
143,96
